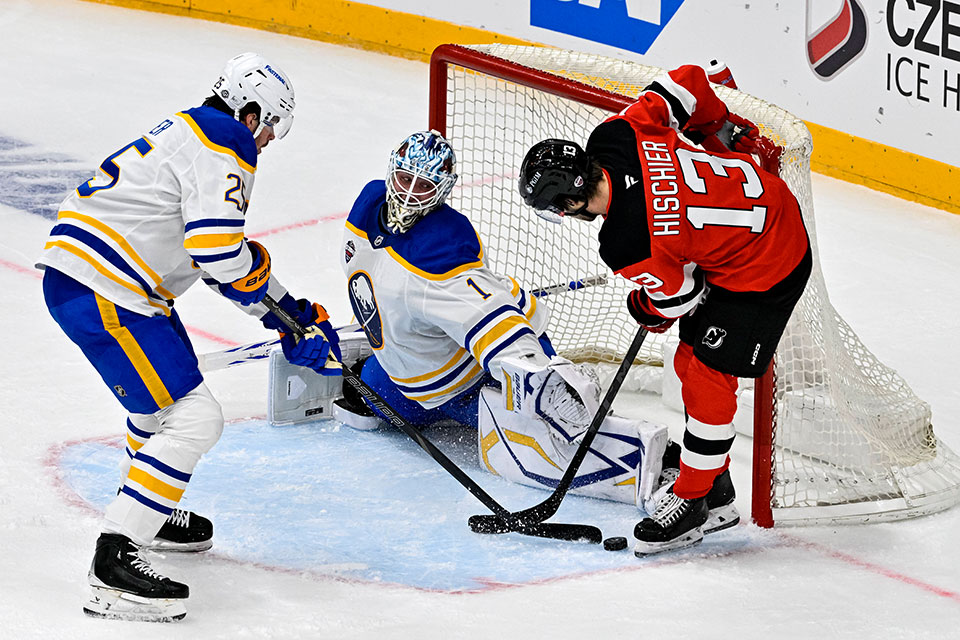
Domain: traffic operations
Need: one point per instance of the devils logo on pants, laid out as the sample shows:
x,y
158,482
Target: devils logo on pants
x,y
714,337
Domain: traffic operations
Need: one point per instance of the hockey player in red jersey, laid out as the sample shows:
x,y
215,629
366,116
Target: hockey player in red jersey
x,y
709,238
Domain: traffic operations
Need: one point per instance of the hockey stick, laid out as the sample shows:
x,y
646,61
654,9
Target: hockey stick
x,y
245,353
557,531
242,354
590,281
236,355
535,515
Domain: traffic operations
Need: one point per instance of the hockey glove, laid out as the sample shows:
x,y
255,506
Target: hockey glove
x,y
637,303
700,132
313,349
740,135
252,287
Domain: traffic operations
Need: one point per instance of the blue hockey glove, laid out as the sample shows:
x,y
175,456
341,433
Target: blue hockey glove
x,y
252,287
315,347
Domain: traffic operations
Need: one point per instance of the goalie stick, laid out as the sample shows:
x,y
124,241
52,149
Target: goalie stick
x,y
535,515
242,354
559,531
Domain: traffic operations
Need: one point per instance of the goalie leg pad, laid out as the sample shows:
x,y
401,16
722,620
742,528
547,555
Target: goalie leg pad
x,y
623,463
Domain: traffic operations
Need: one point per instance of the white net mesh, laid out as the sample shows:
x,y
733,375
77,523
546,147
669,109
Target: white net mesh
x,y
851,440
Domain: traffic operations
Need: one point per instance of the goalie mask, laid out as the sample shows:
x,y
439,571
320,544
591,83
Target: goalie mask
x,y
553,171
250,78
420,176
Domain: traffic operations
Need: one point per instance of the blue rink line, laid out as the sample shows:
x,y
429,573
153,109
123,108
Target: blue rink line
x,y
372,506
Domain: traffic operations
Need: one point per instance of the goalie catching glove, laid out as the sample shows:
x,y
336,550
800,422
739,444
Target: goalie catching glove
x,y
317,345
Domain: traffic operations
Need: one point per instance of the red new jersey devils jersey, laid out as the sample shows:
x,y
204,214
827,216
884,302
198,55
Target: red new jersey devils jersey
x,y
675,207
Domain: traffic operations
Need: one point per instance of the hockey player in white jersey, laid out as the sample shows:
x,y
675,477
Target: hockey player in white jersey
x,y
163,212
453,340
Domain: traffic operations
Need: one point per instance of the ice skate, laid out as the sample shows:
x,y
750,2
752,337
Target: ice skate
x,y
676,523
184,531
723,513
125,587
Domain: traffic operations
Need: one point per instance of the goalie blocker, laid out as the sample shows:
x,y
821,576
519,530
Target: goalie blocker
x,y
299,394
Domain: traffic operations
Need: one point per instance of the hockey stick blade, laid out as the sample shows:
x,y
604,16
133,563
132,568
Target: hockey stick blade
x,y
491,524
538,513
538,529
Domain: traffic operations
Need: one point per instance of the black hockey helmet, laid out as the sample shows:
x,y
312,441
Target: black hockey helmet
x,y
552,171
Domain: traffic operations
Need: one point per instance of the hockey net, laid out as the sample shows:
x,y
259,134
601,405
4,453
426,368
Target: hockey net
x,y
838,436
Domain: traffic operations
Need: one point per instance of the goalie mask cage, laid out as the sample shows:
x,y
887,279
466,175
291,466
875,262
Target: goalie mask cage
x,y
838,436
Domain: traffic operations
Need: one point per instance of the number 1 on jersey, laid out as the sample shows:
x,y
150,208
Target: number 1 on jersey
x,y
472,284
752,219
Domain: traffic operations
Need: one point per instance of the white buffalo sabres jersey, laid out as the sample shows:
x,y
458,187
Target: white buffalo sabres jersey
x,y
162,211
434,314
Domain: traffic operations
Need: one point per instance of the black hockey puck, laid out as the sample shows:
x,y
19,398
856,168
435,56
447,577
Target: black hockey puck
x,y
616,543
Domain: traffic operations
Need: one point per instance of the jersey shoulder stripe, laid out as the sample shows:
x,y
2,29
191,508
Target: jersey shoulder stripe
x,y
221,133
445,245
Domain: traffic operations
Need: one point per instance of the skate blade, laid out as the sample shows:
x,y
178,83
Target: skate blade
x,y
721,518
180,547
690,539
118,605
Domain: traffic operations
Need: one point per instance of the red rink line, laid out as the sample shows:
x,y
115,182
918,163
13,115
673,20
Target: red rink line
x,y
871,567
194,331
299,225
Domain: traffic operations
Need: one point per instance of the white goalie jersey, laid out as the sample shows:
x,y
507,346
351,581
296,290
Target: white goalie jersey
x,y
161,211
435,316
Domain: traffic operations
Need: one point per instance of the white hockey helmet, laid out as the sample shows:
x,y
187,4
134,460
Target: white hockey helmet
x,y
420,176
250,78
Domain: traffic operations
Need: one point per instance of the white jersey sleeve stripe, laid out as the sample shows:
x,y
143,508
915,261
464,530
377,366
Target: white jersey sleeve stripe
x,y
487,320
505,327
457,358
443,381
522,331
212,240
471,376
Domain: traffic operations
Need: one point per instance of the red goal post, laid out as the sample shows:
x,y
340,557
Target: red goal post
x,y
837,435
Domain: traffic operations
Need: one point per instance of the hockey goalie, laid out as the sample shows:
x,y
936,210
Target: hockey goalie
x,y
452,340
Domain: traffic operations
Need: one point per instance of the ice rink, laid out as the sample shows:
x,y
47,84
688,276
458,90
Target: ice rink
x,y
324,532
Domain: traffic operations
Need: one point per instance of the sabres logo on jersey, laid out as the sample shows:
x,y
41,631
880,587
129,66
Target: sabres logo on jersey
x,y
349,250
365,307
